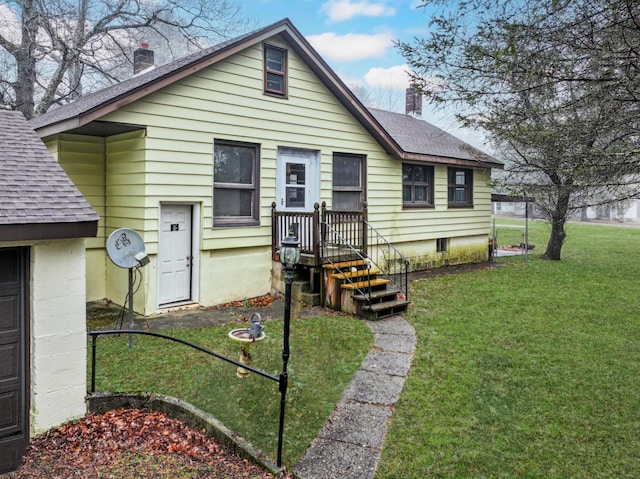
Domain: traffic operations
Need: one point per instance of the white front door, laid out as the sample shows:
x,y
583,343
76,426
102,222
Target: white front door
x,y
174,254
298,180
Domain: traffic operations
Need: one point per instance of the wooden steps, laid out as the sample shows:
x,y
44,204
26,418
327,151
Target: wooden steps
x,y
355,287
370,283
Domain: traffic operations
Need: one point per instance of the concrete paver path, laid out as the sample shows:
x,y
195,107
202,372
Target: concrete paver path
x,y
349,444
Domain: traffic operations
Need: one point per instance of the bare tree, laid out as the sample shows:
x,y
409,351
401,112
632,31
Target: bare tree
x,y
55,50
389,99
556,86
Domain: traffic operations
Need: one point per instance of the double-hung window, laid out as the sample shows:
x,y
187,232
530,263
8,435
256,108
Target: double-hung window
x,y
417,185
348,182
275,71
460,187
235,183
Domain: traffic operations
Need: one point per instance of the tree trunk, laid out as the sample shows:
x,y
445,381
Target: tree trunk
x,y
558,220
26,61
554,246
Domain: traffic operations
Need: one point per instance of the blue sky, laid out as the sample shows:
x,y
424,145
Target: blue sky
x,y
355,37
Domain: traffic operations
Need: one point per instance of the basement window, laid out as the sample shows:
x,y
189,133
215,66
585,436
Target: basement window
x,y
442,245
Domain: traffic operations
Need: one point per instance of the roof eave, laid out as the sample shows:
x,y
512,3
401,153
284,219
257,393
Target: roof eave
x,y
451,161
48,231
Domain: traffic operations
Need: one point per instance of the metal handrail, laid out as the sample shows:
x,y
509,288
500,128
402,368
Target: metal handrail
x,y
354,252
327,228
402,259
281,379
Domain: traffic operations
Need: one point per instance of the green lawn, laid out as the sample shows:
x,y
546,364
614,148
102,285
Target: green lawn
x,y
325,353
520,371
526,370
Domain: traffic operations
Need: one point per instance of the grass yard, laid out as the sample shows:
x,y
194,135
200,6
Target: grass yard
x,y
520,371
526,371
325,353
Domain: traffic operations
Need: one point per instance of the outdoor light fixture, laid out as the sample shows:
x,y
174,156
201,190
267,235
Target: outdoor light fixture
x,y
289,257
289,252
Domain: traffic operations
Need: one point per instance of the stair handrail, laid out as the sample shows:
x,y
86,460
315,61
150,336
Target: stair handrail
x,y
327,228
403,285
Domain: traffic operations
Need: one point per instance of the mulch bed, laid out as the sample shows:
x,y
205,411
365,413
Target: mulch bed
x,y
131,443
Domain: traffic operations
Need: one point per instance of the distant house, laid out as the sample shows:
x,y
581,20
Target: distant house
x,y
43,222
215,157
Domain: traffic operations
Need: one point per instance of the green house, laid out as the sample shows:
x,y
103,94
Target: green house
x,y
215,157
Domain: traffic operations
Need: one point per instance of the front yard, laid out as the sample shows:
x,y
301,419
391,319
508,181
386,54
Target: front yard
x,y
520,370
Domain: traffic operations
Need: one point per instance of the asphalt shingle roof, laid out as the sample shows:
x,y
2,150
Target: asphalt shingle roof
x,y
401,133
415,135
33,186
109,94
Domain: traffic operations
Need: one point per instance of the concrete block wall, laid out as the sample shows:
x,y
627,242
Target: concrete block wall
x,y
58,333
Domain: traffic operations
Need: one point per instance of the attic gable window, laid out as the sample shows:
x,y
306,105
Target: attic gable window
x,y
275,71
460,188
417,186
235,184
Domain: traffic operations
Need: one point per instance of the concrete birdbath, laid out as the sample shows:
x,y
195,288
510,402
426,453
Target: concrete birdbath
x,y
246,337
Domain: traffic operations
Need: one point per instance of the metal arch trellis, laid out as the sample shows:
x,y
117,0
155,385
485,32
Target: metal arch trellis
x,y
281,379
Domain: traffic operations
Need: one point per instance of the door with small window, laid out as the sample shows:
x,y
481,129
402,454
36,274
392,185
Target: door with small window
x,y
174,254
298,180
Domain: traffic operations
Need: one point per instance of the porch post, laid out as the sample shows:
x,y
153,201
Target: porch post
x,y
365,218
274,231
316,233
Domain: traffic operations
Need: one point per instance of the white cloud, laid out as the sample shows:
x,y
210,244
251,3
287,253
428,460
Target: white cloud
x,y
393,78
341,10
352,46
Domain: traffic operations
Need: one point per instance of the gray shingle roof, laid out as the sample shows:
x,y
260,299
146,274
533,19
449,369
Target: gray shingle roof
x,y
415,135
400,135
33,186
125,88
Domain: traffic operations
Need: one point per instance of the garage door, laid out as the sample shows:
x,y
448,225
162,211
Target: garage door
x,y
14,427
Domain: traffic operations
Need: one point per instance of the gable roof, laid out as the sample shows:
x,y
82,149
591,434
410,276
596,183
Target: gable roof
x,y
37,198
92,107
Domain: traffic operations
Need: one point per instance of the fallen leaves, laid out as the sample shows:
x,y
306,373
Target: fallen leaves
x,y
257,302
132,443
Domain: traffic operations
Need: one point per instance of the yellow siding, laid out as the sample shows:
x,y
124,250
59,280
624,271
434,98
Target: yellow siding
x,y
83,159
172,161
126,203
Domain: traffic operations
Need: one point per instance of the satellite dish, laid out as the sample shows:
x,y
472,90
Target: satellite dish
x,y
123,245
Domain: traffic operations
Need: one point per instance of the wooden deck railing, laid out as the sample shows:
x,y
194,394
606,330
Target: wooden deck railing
x,y
307,228
303,225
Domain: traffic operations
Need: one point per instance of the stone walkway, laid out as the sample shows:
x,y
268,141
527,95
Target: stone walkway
x,y
349,444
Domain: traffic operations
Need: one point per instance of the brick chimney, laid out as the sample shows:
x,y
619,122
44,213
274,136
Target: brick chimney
x,y
142,58
413,102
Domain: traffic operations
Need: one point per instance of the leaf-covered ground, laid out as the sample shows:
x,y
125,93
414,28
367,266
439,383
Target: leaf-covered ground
x,y
131,443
